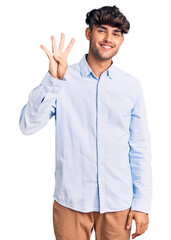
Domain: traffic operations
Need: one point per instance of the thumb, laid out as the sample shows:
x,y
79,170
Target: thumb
x,y
60,60
129,221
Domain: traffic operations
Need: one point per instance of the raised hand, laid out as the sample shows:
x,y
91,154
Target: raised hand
x,y
57,59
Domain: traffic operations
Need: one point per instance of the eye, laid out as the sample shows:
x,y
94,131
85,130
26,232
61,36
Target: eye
x,y
116,34
100,31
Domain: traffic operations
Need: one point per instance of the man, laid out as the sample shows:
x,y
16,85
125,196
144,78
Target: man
x,y
103,172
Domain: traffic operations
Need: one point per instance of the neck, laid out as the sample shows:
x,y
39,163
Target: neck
x,y
98,66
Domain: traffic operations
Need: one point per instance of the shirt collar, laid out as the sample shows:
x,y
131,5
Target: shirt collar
x,y
86,70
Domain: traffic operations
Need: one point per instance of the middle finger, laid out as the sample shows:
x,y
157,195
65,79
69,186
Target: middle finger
x,y
61,44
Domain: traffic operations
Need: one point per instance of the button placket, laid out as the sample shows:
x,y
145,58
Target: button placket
x,y
100,141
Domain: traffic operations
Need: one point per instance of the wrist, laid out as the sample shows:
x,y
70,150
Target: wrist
x,y
53,75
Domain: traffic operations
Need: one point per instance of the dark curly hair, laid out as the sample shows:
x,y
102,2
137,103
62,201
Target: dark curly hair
x,y
109,16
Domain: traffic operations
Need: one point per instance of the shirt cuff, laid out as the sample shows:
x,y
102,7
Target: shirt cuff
x,y
52,84
141,205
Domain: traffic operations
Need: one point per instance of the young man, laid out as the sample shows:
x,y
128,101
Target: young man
x,y
103,172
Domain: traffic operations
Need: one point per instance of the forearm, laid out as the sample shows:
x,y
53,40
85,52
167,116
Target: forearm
x,y
140,161
41,105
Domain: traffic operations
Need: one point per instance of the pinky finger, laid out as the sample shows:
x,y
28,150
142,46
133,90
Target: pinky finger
x,y
48,53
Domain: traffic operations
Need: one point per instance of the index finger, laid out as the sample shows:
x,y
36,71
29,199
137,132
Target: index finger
x,y
68,49
138,230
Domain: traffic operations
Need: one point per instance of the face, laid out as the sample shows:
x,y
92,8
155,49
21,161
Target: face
x,y
105,41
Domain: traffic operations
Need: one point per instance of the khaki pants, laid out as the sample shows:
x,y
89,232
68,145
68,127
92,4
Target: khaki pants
x,y
74,225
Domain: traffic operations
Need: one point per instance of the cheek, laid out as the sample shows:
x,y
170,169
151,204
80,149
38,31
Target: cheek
x,y
99,38
116,44
94,43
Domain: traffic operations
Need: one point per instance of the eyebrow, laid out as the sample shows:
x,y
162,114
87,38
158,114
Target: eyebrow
x,y
115,30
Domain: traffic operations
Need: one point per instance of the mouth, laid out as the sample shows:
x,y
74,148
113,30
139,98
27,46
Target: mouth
x,y
106,46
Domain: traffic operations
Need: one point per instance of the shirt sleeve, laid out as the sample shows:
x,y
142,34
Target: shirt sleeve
x,y
140,155
41,105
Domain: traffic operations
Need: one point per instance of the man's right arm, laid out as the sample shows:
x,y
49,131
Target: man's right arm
x,y
42,100
41,105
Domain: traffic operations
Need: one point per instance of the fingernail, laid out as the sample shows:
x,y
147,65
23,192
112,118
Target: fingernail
x,y
127,227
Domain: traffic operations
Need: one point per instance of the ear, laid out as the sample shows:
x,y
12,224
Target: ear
x,y
122,39
88,33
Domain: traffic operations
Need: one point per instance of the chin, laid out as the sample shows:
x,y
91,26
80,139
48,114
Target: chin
x,y
103,57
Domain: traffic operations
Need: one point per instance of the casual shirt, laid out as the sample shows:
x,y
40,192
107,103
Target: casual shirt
x,y
103,155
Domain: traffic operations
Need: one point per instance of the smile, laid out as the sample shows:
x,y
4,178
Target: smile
x,y
105,46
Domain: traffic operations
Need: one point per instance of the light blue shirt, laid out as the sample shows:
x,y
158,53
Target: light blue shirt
x,y
103,153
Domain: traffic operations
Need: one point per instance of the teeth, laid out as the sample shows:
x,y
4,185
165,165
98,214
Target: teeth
x,y
107,47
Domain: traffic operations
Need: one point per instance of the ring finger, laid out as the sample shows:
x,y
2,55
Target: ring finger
x,y
54,48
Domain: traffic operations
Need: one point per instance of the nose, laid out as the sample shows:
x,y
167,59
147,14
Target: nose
x,y
108,37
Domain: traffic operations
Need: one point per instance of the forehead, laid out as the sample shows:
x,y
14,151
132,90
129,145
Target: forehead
x,y
108,27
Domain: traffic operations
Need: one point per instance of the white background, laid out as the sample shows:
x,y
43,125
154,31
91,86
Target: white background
x,y
27,163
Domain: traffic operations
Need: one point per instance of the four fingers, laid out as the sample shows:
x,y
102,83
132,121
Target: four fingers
x,y
140,229
140,226
60,48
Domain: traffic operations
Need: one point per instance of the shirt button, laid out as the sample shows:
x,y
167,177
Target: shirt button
x,y
50,83
100,144
100,183
100,104
100,163
99,123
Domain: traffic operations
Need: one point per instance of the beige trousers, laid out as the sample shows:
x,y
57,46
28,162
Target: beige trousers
x,y
74,225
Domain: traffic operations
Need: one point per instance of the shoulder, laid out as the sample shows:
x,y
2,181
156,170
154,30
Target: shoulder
x,y
73,67
126,78
128,82
72,70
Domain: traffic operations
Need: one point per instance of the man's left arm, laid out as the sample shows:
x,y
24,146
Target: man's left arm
x,y
140,163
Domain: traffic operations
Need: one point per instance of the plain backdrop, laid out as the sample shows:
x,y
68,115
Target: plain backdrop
x,y
27,163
